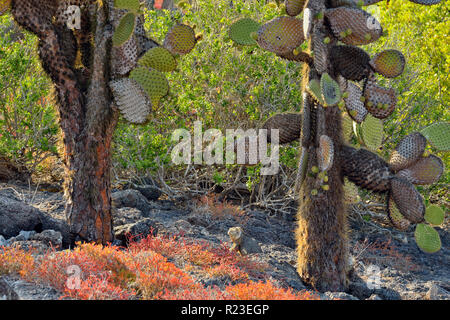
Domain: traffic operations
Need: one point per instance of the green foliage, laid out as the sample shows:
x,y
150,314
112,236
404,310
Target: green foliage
x,y
427,238
28,127
124,30
223,86
434,215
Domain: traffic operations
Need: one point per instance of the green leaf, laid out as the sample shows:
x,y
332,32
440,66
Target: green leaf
x,y
427,238
241,31
372,132
132,5
124,30
434,215
438,134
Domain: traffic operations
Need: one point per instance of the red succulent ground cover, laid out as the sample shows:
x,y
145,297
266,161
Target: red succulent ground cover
x,y
156,267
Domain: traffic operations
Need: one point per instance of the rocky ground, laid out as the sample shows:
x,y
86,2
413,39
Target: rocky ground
x,y
386,264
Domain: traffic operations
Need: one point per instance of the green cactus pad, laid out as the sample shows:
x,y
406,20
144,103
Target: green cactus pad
x,y
438,134
158,58
426,170
330,90
396,218
389,63
372,132
152,81
281,35
294,7
241,31
132,5
434,215
325,153
407,151
314,89
124,30
180,39
407,199
131,100
427,238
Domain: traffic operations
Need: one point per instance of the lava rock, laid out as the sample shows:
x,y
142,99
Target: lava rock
x,y
6,292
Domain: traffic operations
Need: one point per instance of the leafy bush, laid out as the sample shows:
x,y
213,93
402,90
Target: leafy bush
x,y
28,127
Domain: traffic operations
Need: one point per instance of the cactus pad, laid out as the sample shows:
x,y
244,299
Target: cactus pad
x,y
407,199
132,5
125,57
4,6
396,218
427,170
365,169
426,2
389,63
363,28
372,132
180,39
434,215
427,238
331,93
351,62
288,124
294,7
379,101
158,58
438,134
343,3
408,151
281,35
353,103
241,31
131,100
325,153
320,50
124,30
315,91
152,81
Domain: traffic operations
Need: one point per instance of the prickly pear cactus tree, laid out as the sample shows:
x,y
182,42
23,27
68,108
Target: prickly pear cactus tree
x,y
339,83
101,62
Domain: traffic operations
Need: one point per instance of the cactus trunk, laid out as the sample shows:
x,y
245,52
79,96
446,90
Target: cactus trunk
x,y
322,228
87,119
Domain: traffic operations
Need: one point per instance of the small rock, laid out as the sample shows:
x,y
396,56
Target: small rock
x,y
360,289
340,295
183,225
437,293
3,242
6,292
16,216
131,199
49,237
374,297
152,193
137,230
36,247
126,215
